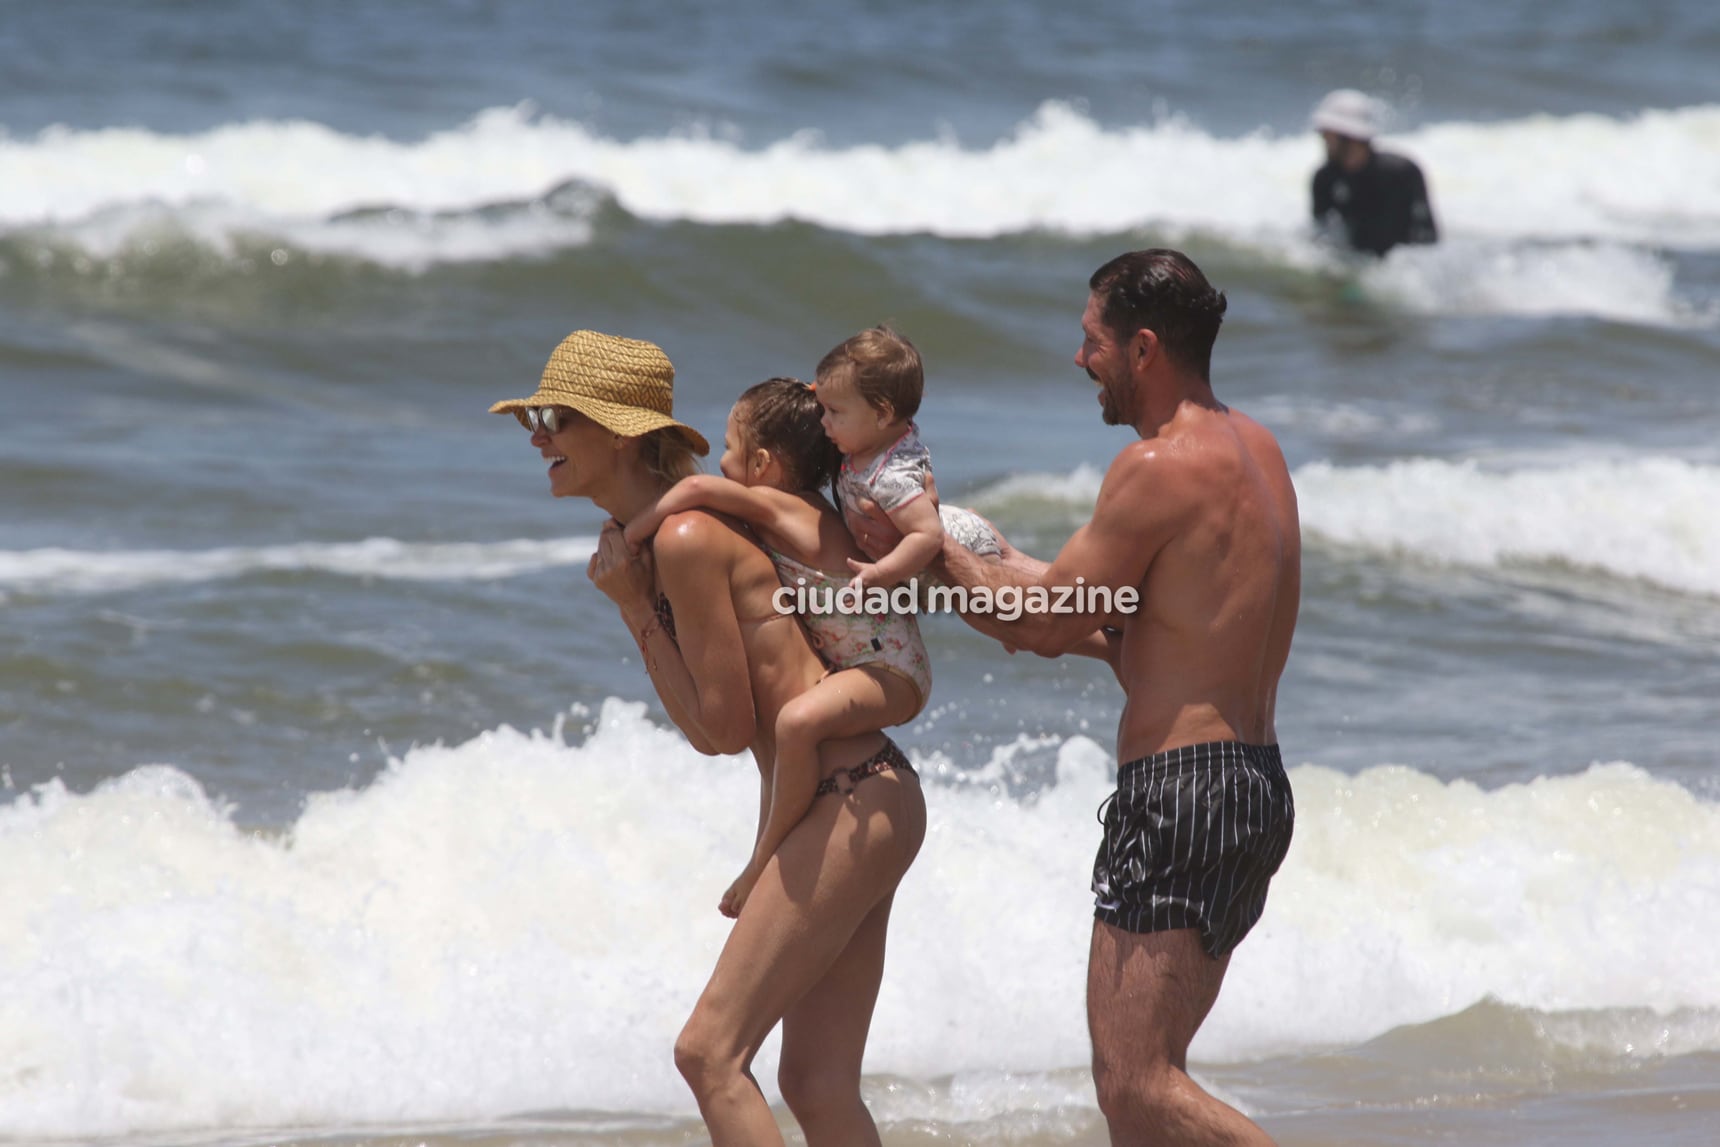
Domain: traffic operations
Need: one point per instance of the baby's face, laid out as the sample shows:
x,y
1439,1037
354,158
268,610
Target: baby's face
x,y
849,421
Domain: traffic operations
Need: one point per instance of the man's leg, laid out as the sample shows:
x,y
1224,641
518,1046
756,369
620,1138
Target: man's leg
x,y
1146,997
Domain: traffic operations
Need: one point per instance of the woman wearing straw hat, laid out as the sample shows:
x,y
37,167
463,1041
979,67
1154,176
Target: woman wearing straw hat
x,y
808,947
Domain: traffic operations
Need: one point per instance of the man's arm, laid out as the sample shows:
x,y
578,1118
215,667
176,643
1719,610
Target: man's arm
x,y
1130,525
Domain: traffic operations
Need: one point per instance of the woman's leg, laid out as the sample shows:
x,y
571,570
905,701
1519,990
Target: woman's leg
x,y
819,895
824,1041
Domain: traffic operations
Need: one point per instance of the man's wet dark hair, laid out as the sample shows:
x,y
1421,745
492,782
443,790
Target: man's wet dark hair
x,y
782,415
1164,292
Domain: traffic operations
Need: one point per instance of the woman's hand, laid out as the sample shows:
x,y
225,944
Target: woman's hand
x,y
627,579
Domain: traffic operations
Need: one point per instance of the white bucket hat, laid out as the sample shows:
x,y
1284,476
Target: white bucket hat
x,y
1350,113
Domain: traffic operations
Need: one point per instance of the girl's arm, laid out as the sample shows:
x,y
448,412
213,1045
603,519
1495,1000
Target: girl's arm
x,y
922,541
759,506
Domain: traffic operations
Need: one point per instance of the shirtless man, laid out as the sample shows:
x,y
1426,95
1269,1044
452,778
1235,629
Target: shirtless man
x,y
1200,517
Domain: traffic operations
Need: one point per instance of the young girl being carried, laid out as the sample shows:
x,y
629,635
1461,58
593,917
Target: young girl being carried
x,y
775,460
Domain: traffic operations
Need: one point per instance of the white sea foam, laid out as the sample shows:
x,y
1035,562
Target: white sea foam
x,y
1079,487
398,237
1643,179
1340,420
1657,519
1470,274
519,923
62,571
1653,518
1605,280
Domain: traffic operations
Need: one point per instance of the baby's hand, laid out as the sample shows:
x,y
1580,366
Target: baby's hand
x,y
736,897
865,574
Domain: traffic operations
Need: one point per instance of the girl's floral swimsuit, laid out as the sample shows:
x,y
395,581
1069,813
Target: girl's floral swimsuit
x,y
846,640
913,666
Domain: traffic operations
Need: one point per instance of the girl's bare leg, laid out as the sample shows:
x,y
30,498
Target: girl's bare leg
x,y
847,703
826,889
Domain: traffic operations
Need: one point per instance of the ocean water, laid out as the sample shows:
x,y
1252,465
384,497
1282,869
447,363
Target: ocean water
x,y
334,805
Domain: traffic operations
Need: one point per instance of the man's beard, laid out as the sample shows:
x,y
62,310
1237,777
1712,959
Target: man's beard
x,y
1113,407
1108,409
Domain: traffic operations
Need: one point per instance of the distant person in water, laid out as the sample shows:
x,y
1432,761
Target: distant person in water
x,y
1373,200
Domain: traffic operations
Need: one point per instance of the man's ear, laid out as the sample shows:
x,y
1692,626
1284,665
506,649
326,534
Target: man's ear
x,y
1143,347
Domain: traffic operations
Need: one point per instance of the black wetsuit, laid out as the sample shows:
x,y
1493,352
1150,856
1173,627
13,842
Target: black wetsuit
x,y
1380,206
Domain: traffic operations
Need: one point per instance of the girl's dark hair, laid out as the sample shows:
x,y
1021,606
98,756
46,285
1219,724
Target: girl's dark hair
x,y
782,415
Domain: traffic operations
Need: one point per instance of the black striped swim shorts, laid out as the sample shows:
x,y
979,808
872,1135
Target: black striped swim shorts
x,y
1192,837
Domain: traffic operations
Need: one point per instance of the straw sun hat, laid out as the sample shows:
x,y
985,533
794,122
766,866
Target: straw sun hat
x,y
624,385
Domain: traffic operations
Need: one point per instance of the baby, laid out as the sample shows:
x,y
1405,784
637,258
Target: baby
x,y
870,388
775,460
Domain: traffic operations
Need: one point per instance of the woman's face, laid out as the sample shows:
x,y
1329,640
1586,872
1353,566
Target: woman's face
x,y
579,453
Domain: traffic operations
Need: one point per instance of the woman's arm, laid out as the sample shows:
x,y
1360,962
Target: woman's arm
x,y
694,672
630,582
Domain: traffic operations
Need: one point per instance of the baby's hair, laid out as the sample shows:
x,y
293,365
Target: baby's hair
x,y
882,365
782,415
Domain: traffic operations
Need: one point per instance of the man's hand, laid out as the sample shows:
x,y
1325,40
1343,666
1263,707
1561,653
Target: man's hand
x,y
873,531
